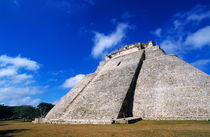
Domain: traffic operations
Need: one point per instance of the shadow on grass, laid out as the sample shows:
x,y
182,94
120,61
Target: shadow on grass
x,y
4,133
3,125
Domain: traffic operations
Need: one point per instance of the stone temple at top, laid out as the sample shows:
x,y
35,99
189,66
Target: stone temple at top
x,y
137,81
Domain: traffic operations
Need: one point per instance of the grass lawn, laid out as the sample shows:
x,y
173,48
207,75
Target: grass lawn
x,y
140,129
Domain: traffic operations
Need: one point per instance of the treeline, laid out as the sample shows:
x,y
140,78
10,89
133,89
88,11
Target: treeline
x,y
25,112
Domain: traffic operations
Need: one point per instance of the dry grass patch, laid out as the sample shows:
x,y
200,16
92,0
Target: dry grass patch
x,y
142,128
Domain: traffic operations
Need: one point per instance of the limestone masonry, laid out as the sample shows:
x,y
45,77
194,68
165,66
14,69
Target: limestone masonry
x,y
138,81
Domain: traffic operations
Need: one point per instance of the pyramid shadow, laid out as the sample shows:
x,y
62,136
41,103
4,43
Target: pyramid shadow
x,y
4,133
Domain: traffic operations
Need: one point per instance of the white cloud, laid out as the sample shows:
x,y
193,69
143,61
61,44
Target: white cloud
x,y
195,15
171,47
18,95
184,32
103,42
16,78
199,17
201,63
7,72
2,82
18,91
22,77
23,101
177,24
72,81
199,39
19,62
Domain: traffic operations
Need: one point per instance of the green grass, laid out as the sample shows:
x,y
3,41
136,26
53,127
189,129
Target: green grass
x,y
140,129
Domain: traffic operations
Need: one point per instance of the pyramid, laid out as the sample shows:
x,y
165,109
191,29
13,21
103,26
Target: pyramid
x,y
139,81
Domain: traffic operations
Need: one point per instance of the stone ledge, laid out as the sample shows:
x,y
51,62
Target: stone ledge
x,y
127,120
180,118
74,121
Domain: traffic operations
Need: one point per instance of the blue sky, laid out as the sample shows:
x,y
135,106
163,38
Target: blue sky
x,y
47,46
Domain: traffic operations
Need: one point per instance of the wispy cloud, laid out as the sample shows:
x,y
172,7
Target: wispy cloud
x,y
72,81
91,2
157,32
196,14
104,42
16,2
19,62
16,78
21,78
57,73
199,39
184,32
127,15
172,46
201,64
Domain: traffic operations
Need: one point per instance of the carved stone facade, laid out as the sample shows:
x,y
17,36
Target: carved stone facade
x,y
138,81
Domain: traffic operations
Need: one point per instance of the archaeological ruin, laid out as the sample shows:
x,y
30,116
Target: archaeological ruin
x,y
139,81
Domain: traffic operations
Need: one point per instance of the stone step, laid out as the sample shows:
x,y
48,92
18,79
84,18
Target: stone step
x,y
128,120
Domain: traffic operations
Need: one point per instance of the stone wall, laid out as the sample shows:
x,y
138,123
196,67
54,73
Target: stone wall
x,y
104,95
60,108
138,81
169,88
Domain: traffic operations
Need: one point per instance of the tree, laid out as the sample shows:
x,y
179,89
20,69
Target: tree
x,y
44,108
5,112
25,112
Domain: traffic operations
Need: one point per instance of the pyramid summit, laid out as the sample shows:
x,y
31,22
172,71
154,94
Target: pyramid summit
x,y
139,81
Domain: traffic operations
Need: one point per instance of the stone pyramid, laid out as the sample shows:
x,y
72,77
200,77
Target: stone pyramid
x,y
137,81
